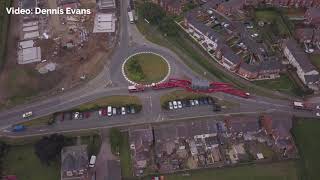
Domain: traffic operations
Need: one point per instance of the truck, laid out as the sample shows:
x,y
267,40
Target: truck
x,y
18,128
302,106
136,88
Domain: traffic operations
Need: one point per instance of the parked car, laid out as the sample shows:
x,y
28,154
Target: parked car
x,y
205,101
170,105
114,111
175,104
123,110
76,115
103,112
196,102
317,114
119,111
188,104
27,114
318,107
216,107
184,103
128,108
200,100
192,102
179,104
133,111
109,111
86,114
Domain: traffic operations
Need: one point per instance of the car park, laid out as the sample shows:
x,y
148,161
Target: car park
x,y
175,104
170,105
123,110
179,104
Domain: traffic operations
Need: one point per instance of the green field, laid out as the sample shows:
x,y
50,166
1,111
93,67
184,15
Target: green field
x,y
274,171
283,84
315,60
115,101
306,132
146,68
22,162
4,21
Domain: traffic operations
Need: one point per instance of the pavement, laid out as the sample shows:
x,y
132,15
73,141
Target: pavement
x,y
131,41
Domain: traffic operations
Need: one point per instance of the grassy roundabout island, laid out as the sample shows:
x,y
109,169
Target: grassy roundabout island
x,y
146,68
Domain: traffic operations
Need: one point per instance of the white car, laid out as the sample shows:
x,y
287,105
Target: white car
x,y
170,105
196,102
179,104
318,107
254,35
317,114
27,114
175,104
192,102
123,110
114,111
76,115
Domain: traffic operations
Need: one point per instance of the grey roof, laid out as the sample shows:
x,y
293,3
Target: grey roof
x,y
229,54
300,56
74,158
29,4
312,78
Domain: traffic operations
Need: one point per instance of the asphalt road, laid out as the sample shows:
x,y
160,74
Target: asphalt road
x,y
131,41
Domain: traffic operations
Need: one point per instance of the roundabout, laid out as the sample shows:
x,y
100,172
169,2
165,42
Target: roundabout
x,y
146,68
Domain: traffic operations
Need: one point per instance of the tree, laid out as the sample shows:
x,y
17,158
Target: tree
x,y
49,148
115,140
168,26
3,151
152,12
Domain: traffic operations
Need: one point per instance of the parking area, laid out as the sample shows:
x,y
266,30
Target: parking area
x,y
103,113
192,103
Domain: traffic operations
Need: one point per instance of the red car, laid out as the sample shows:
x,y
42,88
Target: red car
x,y
103,112
86,114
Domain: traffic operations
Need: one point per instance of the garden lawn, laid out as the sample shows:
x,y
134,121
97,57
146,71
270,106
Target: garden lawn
x,y
282,84
153,68
306,132
22,162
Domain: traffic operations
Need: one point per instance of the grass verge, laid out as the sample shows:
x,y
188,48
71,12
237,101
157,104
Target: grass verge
x,y
125,158
306,133
146,68
42,121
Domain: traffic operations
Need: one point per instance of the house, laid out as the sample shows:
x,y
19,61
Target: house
x,y
231,7
297,58
173,7
312,16
140,139
74,163
229,59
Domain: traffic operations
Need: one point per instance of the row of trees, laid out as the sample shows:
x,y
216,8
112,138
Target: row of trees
x,y
156,16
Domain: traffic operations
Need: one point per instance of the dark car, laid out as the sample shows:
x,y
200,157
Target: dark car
x,y
86,114
210,100
67,116
216,107
119,111
205,101
128,108
201,102
188,104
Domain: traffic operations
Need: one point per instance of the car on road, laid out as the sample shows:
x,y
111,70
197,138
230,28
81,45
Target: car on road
x,y
109,111
179,104
123,111
170,105
27,114
175,104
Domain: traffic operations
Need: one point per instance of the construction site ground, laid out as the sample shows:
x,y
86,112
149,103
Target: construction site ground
x,y
21,83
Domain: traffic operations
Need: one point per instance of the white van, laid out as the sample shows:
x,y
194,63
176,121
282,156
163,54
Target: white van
x,y
92,161
109,111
